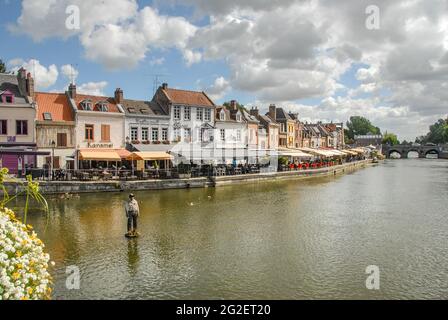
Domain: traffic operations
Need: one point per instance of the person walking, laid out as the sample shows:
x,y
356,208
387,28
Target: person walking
x,y
132,212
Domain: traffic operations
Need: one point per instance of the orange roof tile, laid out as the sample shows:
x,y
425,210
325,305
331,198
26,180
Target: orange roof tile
x,y
193,98
112,105
55,103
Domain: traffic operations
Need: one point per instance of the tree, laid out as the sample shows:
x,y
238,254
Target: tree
x,y
239,106
390,139
358,125
2,66
438,133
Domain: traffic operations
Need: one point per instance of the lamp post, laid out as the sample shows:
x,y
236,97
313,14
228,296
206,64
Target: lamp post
x,y
53,145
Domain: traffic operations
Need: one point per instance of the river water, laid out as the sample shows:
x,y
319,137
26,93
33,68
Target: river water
x,y
305,239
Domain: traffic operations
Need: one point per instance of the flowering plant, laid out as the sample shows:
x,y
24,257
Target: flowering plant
x,y
23,262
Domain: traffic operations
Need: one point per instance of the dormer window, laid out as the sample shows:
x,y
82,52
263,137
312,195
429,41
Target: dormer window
x,y
238,117
86,105
131,110
6,97
222,115
102,106
144,111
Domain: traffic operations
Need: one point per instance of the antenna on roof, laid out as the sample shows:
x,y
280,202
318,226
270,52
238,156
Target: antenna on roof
x,y
156,80
72,74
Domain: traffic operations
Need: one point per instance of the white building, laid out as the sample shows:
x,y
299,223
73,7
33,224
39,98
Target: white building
x,y
146,125
99,125
230,135
191,120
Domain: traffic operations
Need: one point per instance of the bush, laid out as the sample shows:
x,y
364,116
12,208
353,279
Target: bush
x,y
23,263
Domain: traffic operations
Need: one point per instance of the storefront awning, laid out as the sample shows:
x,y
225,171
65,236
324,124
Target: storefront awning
x,y
318,152
99,155
358,150
149,155
293,153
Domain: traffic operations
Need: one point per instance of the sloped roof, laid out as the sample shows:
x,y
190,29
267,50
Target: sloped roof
x,y
281,114
8,82
112,105
141,107
191,98
56,104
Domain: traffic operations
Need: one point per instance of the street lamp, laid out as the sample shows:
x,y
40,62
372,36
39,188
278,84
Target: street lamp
x,y
53,145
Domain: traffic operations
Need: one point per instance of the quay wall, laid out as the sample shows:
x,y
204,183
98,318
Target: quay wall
x,y
61,187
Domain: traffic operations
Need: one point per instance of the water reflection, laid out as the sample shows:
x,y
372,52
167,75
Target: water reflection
x,y
291,239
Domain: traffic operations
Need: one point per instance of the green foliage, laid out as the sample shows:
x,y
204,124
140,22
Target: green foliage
x,y
358,125
2,66
390,138
283,161
438,133
30,190
239,106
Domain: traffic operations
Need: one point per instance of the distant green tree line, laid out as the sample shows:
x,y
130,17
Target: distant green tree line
x,y
438,133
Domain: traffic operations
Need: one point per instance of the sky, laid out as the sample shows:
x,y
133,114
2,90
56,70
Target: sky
x,y
325,59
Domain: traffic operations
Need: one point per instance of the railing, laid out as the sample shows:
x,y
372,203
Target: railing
x,y
183,172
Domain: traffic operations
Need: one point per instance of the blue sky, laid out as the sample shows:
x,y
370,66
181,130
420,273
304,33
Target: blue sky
x,y
317,58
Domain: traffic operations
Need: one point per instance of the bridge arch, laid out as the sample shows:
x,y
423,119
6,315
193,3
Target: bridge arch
x,y
392,151
409,151
432,151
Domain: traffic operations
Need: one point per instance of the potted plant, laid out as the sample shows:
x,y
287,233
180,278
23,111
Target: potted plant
x,y
146,142
156,142
135,142
166,142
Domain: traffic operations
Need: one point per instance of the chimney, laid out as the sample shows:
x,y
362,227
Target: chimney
x,y
254,111
119,96
272,111
29,85
164,86
72,91
21,81
233,105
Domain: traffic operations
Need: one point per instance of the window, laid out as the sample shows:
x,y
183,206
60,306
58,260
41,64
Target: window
x,y
4,127
199,113
238,135
145,134
155,134
89,132
47,116
8,99
177,112
238,117
62,139
134,133
187,135
56,162
86,105
165,134
223,134
22,127
208,115
105,132
187,113
144,111
176,134
102,106
222,115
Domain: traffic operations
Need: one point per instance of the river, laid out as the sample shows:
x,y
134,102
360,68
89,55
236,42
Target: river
x,y
306,239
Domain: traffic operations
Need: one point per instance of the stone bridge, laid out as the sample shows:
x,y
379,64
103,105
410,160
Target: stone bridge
x,y
423,150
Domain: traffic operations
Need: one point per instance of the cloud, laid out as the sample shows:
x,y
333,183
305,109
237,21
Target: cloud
x,y
44,77
114,33
281,51
70,72
218,89
92,88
